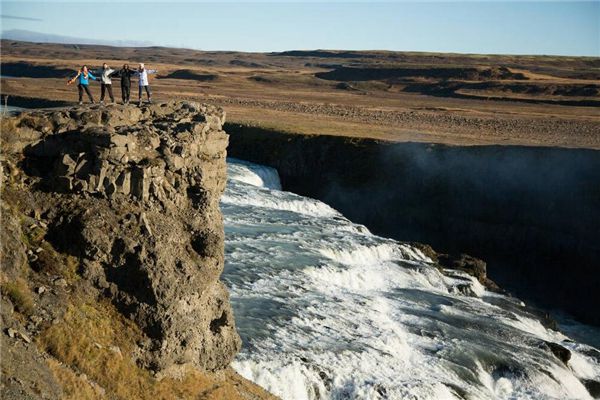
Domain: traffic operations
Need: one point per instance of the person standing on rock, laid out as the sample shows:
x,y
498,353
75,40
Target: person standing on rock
x,y
126,75
106,83
142,74
83,76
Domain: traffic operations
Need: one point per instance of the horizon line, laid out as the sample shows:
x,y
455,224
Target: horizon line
x,y
167,46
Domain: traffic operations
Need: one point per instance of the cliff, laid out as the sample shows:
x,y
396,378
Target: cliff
x,y
112,248
532,213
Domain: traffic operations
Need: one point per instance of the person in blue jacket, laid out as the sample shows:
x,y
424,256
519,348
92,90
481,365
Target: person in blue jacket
x,y
83,77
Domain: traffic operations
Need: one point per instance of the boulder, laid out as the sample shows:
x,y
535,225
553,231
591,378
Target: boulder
x,y
559,351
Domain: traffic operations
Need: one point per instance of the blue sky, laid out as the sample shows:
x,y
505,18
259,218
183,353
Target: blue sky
x,y
512,27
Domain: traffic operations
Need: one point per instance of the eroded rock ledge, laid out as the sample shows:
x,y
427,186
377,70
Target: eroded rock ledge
x,y
133,193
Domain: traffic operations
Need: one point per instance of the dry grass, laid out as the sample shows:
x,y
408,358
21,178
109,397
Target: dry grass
x,y
20,294
32,237
292,79
75,387
87,341
51,262
48,260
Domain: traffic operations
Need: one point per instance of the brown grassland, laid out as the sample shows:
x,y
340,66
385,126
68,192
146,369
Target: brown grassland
x,y
424,97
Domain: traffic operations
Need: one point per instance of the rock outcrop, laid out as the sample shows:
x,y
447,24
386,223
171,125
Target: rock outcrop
x,y
133,195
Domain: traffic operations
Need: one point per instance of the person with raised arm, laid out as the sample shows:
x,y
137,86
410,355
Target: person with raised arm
x,y
125,74
142,73
106,83
83,76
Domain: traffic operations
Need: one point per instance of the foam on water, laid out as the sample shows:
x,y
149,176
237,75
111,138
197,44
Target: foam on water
x,y
326,310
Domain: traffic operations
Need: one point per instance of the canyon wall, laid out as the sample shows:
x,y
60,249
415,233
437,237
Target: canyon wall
x,y
532,213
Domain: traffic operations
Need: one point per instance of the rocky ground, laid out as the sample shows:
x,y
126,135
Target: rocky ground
x,y
112,248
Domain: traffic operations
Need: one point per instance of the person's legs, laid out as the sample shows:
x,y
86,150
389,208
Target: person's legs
x,y
149,93
87,90
127,93
123,93
80,90
110,93
102,92
140,95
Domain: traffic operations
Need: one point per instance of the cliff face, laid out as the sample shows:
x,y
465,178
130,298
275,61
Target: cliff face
x,y
129,198
532,213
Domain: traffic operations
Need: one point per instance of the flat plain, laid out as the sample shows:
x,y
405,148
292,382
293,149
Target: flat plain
x,y
396,96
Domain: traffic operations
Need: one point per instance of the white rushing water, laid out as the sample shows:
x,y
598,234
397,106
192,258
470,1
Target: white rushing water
x,y
327,310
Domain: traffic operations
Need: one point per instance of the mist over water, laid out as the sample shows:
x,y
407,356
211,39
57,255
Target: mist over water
x,y
326,310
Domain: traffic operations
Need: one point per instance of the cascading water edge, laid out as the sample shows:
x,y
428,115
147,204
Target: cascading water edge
x,y
326,310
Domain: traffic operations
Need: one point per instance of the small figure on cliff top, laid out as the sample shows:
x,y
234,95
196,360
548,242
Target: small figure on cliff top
x,y
142,74
106,83
125,74
83,75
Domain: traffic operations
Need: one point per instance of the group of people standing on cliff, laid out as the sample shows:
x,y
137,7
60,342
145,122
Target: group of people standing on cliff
x,y
105,76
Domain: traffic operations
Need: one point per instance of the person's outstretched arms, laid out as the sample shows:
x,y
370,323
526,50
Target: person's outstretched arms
x,y
152,71
70,81
92,77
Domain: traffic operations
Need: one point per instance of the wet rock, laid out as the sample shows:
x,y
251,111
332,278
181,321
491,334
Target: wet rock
x,y
464,262
593,387
561,352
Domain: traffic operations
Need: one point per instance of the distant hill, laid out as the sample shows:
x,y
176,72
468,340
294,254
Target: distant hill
x,y
39,37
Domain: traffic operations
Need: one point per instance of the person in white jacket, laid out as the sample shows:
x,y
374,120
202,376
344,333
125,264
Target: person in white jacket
x,y
106,83
142,74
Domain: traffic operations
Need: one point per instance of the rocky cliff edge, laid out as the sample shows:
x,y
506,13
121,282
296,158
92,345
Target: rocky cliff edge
x,y
117,209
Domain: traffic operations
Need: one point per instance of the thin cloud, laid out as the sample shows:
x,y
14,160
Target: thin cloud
x,y
20,18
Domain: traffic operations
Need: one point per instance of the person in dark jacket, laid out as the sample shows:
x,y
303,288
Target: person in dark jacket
x,y
83,76
126,75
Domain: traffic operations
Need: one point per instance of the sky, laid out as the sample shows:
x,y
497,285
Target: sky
x,y
488,27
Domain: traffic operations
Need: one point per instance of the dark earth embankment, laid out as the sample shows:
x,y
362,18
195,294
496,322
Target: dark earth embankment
x,y
188,74
533,213
497,83
367,74
33,102
27,70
